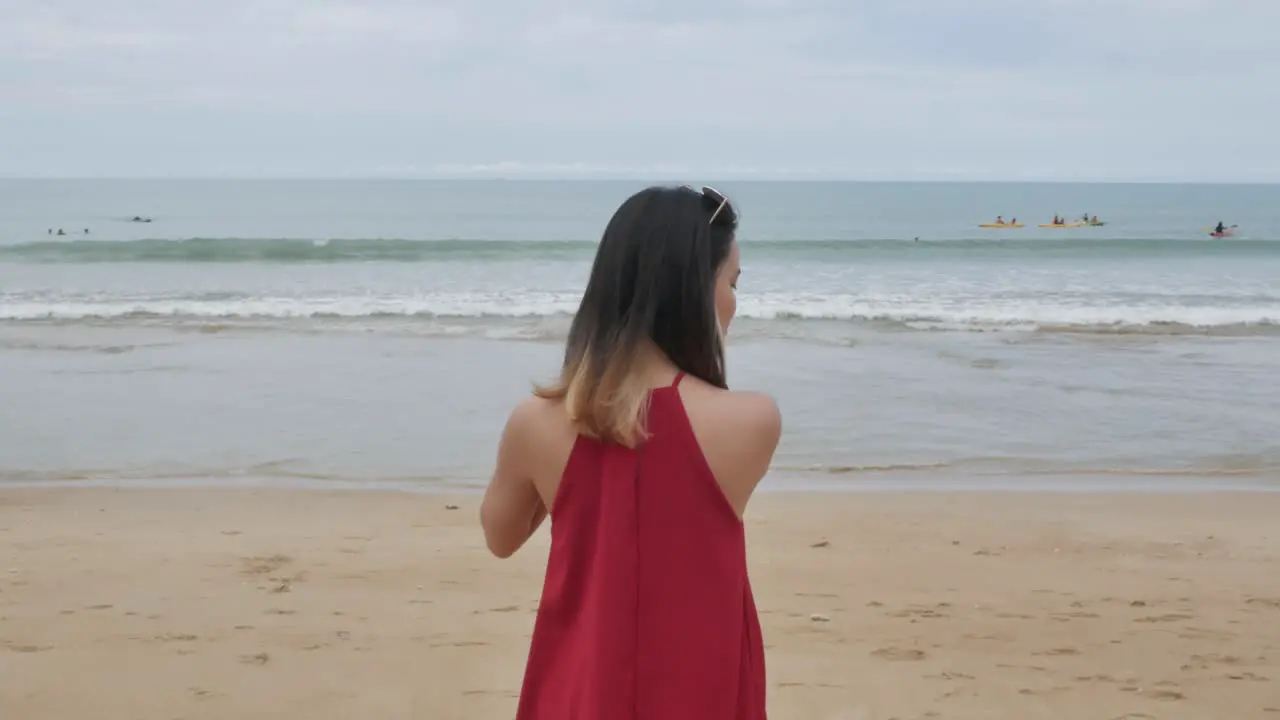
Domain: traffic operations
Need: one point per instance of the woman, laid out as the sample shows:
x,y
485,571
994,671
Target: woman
x,y
645,462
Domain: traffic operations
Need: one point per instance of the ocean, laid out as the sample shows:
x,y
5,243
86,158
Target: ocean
x,y
374,333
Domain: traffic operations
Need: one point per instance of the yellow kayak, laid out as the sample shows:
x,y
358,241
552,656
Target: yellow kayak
x,y
1001,225
1063,225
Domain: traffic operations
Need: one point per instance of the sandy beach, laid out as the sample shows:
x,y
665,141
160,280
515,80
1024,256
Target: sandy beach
x,y
140,604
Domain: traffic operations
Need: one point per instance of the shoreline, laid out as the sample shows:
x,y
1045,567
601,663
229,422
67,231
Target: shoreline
x,y
1137,484
552,327
269,602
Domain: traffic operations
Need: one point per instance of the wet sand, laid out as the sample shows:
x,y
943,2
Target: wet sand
x,y
195,604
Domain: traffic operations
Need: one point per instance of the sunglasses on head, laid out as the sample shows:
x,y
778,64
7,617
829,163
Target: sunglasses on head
x,y
714,195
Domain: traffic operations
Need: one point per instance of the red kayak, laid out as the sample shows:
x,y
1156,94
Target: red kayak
x,y
1225,233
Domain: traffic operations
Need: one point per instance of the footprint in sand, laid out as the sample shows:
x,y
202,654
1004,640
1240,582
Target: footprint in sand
x,y
893,653
1195,633
1170,617
1156,694
29,648
994,638
1059,651
263,564
255,659
1014,616
503,609
1045,691
1204,661
917,612
1273,603
1075,615
1248,676
949,676
460,643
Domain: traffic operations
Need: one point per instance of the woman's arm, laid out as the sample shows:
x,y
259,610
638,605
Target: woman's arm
x,y
512,509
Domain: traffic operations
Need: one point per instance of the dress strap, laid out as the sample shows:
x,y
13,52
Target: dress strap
x,y
679,377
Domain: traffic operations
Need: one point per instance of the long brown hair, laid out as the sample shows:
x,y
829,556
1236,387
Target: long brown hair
x,y
653,279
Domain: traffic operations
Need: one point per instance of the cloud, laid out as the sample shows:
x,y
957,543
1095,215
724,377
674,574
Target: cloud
x,y
1107,89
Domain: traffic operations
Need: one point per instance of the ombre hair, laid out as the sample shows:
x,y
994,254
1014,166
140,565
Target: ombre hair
x,y
653,280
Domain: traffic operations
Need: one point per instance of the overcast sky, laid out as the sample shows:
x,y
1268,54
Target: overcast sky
x,y
863,89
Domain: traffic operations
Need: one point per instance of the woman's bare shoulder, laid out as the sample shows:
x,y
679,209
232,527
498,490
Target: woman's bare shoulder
x,y
756,406
738,433
753,416
537,442
540,419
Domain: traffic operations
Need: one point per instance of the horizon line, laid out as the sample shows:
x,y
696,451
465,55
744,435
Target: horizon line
x,y
637,178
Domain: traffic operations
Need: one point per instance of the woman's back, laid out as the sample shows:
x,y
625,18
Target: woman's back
x,y
646,611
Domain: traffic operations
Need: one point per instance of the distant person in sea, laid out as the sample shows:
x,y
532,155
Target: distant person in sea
x,y
1000,220
1221,228
646,611
1057,220
60,232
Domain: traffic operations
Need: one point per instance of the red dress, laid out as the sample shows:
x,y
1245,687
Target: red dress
x,y
646,612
